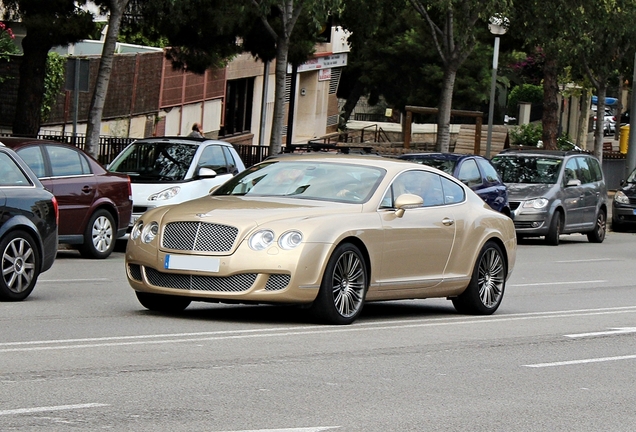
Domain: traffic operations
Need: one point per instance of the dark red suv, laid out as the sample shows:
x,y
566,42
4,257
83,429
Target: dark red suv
x,y
95,205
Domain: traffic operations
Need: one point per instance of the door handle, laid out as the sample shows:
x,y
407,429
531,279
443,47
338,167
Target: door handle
x,y
87,189
448,221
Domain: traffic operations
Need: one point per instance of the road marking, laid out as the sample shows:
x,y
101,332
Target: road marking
x,y
585,260
309,429
614,331
73,280
65,344
51,408
557,283
584,361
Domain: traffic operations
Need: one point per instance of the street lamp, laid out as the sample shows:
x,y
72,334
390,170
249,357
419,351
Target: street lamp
x,y
498,26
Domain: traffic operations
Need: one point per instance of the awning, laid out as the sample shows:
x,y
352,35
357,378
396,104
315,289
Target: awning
x,y
609,101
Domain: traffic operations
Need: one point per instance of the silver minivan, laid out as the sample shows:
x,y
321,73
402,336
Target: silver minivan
x,y
554,192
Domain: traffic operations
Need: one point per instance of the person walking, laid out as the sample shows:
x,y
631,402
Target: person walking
x,y
196,131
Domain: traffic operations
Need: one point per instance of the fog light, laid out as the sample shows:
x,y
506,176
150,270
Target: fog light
x,y
536,224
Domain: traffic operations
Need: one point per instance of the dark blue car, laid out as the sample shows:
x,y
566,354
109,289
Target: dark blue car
x,y
476,172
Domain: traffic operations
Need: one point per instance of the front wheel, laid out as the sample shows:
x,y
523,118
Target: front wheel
x,y
99,237
486,288
162,303
597,235
343,288
20,266
552,238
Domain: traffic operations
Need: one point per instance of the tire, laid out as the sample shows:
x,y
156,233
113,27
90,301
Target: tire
x,y
99,237
20,266
162,303
343,288
552,238
487,284
597,235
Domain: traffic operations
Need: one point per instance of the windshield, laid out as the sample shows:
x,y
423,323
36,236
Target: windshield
x,y
310,180
632,177
446,165
527,169
155,161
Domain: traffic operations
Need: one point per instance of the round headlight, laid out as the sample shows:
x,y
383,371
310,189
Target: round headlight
x,y
537,203
136,229
290,239
149,232
261,240
165,194
621,198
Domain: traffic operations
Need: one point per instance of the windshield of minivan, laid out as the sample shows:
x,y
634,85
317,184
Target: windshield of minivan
x,y
527,169
155,161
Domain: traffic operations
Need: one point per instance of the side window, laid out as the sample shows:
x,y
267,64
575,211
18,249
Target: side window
x,y
421,183
570,171
231,163
66,161
584,170
489,171
10,172
453,193
595,169
213,157
34,159
469,173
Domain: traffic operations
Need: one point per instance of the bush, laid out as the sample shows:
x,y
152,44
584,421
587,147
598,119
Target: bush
x,y
526,135
524,93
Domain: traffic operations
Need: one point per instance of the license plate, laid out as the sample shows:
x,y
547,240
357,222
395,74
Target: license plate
x,y
634,211
195,263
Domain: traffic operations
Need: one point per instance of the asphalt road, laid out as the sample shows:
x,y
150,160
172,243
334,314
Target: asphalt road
x,y
560,354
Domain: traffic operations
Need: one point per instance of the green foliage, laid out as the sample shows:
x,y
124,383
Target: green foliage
x,y
524,93
7,47
53,81
526,135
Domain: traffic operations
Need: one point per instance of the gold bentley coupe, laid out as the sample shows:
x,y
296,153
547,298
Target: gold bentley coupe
x,y
328,232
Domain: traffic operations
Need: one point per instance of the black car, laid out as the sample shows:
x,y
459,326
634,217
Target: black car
x,y
474,171
28,227
624,205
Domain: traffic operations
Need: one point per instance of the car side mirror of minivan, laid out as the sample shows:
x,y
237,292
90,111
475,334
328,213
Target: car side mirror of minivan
x,y
622,182
205,172
573,182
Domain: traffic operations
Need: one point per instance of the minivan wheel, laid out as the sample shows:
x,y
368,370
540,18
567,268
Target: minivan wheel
x,y
597,235
99,237
552,238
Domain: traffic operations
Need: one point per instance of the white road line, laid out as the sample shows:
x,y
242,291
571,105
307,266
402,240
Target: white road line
x,y
51,408
557,283
614,331
309,429
65,344
576,362
72,280
585,260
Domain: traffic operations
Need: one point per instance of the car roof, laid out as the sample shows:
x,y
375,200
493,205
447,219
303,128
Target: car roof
x,y
439,155
540,152
361,159
180,139
16,142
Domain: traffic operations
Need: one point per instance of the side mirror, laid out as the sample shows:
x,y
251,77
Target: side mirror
x,y
573,182
406,201
206,172
623,182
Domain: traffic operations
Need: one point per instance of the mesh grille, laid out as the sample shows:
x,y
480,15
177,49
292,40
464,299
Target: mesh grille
x,y
277,282
134,270
199,236
514,205
235,283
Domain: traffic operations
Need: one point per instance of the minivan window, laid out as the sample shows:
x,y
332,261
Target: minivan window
x,y
585,174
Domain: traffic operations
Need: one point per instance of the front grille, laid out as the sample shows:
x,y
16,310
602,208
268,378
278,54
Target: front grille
x,y
514,205
235,283
277,282
632,201
199,236
134,270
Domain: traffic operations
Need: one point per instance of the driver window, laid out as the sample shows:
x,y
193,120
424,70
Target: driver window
x,y
570,171
469,173
422,183
212,157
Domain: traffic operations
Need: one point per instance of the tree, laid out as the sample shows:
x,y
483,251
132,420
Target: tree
x,y
116,10
48,24
452,26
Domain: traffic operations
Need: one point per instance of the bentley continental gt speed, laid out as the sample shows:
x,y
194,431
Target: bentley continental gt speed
x,y
329,232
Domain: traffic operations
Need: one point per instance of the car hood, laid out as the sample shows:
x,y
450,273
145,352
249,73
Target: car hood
x,y
522,191
629,189
253,211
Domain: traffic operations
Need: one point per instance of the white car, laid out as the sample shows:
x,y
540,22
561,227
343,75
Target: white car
x,y
171,170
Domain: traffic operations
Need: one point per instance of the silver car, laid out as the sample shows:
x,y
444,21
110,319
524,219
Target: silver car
x,y
554,192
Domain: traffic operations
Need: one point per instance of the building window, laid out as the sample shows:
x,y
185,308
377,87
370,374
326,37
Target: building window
x,y
238,107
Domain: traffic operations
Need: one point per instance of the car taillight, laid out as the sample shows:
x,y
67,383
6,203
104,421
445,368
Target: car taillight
x,y
129,189
57,212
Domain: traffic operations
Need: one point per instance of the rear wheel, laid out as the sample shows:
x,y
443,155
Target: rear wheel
x,y
486,288
597,235
99,237
343,288
20,266
162,303
552,238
